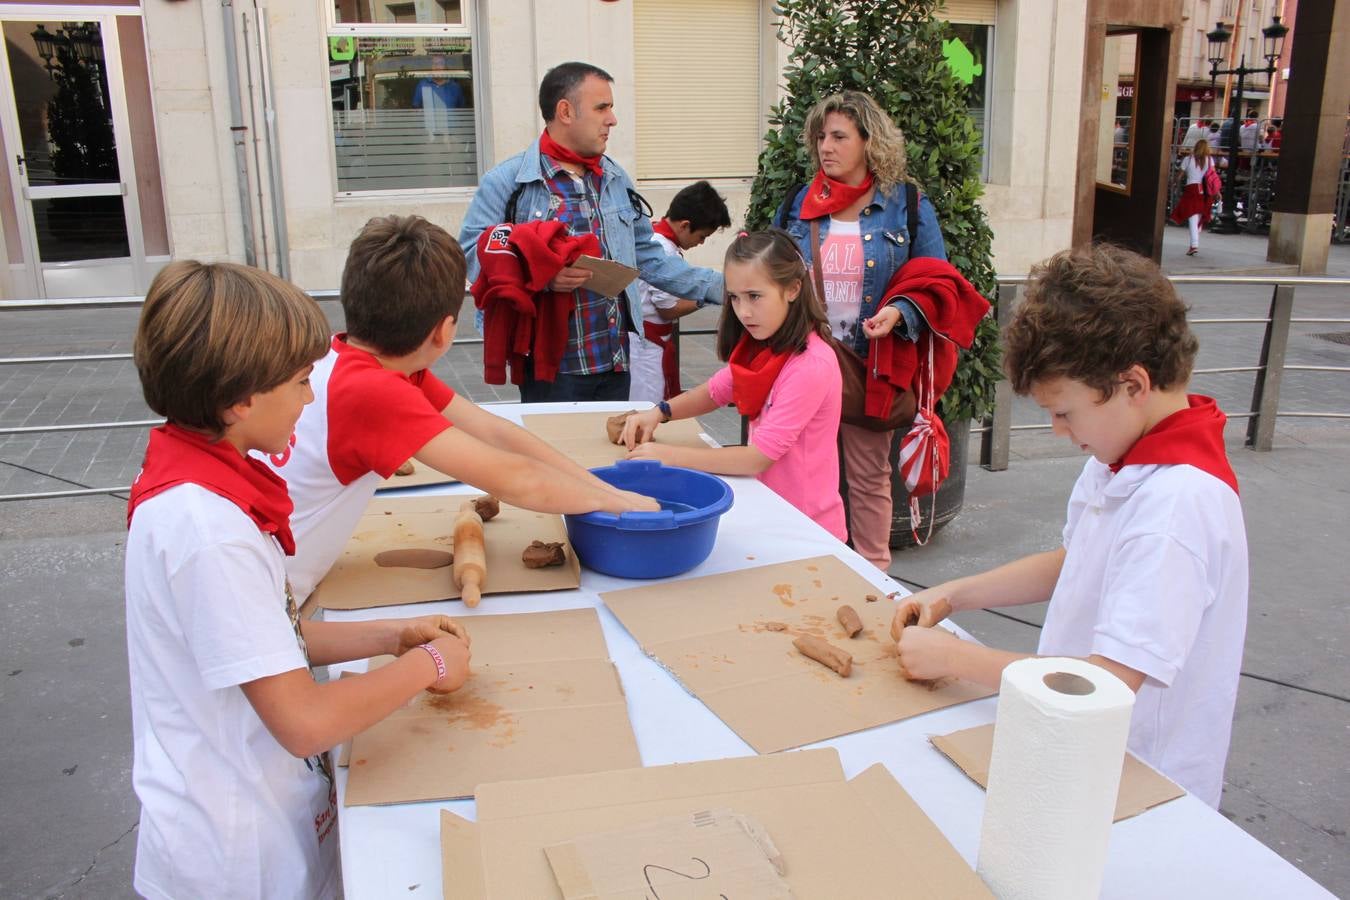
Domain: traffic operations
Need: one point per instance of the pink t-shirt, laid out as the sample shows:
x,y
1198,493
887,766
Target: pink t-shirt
x,y
841,269
798,429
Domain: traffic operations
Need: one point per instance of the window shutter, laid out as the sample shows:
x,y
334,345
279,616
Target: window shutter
x,y
697,81
971,12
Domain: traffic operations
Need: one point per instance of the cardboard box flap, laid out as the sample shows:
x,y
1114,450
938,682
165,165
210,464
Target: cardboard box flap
x,y
461,859
913,830
526,799
1141,786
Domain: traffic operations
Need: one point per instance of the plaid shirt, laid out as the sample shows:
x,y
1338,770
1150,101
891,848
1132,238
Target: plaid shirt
x,y
597,339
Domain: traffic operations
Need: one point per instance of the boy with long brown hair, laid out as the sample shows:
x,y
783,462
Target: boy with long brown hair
x,y
1150,582
230,729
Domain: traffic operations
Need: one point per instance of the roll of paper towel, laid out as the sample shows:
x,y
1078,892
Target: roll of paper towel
x,y
1059,744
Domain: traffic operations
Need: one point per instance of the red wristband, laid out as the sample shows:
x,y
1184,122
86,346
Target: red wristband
x,y
437,659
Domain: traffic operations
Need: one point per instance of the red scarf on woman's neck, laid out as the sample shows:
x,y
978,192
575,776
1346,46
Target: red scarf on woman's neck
x,y
662,227
825,196
1192,436
754,369
177,456
551,148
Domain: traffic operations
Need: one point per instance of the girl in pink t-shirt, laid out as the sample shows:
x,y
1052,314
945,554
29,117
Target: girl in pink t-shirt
x,y
780,373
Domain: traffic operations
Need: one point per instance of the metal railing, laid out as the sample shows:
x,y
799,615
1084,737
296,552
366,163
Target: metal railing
x,y
995,431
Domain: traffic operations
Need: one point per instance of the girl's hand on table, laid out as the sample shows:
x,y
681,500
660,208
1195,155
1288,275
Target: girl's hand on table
x,y
652,450
639,427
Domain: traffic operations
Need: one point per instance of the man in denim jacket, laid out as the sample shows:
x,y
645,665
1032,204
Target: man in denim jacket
x,y
565,175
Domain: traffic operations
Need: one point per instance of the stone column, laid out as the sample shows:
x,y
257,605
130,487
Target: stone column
x,y
1314,129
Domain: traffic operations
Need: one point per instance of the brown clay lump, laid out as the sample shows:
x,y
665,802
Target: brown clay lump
x,y
405,469
848,617
775,626
871,598
414,558
487,507
614,426
825,653
540,554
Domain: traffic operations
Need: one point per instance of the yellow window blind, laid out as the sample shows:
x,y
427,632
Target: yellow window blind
x,y
970,12
697,82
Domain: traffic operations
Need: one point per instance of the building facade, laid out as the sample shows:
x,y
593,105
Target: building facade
x,y
269,133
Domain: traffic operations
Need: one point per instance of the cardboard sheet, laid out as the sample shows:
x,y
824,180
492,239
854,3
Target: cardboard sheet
x,y
714,634
837,838
609,278
389,523
711,853
544,700
582,436
421,476
1141,787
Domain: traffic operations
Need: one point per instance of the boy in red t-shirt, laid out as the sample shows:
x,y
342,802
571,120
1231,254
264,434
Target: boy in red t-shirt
x,y
377,405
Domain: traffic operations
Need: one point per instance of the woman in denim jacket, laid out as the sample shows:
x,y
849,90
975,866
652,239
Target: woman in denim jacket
x,y
859,197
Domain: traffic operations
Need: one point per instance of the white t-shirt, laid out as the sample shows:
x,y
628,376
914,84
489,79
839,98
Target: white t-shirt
x,y
226,811
1194,172
652,297
364,423
1155,578
841,270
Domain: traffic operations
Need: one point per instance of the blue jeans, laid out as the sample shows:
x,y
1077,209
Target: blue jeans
x,y
567,388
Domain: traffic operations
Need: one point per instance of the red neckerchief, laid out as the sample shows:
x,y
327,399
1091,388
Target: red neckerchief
x,y
177,456
754,369
662,227
826,196
551,148
1192,436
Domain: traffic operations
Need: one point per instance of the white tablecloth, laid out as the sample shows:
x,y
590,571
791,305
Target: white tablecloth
x,y
1181,849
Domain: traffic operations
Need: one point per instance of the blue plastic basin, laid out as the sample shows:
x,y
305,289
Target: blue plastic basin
x,y
652,544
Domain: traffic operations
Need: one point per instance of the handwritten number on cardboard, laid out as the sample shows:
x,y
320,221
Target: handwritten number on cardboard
x,y
647,874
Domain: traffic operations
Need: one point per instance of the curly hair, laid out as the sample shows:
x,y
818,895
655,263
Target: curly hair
x,y
885,147
1089,314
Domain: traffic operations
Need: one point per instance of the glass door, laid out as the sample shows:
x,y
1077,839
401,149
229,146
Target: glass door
x,y
63,117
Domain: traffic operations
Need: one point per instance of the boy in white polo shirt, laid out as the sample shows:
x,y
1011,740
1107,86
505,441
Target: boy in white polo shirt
x,y
377,405
1151,580
230,730
695,213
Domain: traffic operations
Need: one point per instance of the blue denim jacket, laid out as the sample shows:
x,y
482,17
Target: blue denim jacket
x,y
886,247
628,231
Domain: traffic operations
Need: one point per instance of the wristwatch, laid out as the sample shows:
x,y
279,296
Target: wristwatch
x,y
665,410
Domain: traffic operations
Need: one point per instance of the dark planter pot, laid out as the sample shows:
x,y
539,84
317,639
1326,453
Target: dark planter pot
x,y
951,494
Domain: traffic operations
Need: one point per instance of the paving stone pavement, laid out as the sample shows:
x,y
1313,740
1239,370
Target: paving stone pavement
x,y
66,748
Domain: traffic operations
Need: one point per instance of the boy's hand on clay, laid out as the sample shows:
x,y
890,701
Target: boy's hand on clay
x,y
412,633
455,652
926,608
639,428
925,654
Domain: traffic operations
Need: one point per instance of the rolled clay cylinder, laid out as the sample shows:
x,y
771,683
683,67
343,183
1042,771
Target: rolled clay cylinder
x,y
825,653
405,469
414,558
540,554
848,617
470,555
487,507
614,426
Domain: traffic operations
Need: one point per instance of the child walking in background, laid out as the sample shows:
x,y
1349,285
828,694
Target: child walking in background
x,y
780,373
230,730
1197,199
1150,581
694,214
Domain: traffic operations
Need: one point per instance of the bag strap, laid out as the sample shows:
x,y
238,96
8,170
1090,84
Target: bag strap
x,y
512,202
816,267
780,217
912,214
926,409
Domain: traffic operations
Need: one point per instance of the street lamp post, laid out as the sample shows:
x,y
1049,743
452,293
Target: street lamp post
x,y
1272,46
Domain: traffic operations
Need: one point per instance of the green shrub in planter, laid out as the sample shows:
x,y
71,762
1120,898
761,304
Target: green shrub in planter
x,y
893,50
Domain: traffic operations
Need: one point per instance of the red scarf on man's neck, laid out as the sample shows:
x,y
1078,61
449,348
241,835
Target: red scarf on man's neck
x,y
1192,436
825,196
754,369
662,227
551,148
177,456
